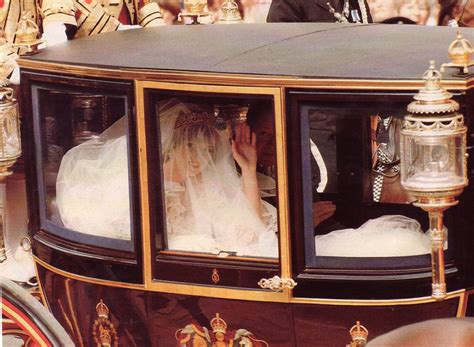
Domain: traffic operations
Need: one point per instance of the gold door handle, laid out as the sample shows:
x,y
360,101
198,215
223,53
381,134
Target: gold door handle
x,y
276,283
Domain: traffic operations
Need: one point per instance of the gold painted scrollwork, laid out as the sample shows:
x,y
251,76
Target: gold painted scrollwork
x,y
103,331
215,276
276,283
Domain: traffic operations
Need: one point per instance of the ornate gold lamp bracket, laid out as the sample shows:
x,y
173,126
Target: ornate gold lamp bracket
x,y
359,335
434,162
277,284
460,52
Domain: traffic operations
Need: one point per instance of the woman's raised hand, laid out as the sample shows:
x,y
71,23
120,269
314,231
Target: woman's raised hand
x,y
244,148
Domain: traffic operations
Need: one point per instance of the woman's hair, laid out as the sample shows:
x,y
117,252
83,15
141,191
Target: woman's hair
x,y
187,134
191,122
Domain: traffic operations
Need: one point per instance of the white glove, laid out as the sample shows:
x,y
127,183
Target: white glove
x,y
127,27
53,34
15,76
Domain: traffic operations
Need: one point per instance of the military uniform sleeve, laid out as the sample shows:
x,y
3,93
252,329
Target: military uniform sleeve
x,y
369,15
285,11
92,19
149,15
58,11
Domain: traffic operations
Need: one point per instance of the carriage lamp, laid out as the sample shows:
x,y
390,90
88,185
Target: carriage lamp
x,y
434,162
194,9
10,150
27,34
230,13
460,52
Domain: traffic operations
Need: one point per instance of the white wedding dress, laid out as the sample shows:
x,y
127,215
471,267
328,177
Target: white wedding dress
x,y
386,236
206,209
92,187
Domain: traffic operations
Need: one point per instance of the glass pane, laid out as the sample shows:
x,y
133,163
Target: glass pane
x,y
359,208
218,157
434,162
84,167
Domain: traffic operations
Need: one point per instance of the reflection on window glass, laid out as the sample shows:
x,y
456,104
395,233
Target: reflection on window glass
x,y
85,164
213,193
359,206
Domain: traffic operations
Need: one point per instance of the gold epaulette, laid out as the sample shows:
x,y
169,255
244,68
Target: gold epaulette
x,y
150,15
95,22
61,11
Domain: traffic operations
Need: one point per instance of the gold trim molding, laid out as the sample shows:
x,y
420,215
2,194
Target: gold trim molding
x,y
212,78
389,302
245,294
85,278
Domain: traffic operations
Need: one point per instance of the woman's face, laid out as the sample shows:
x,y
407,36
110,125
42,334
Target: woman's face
x,y
193,157
410,10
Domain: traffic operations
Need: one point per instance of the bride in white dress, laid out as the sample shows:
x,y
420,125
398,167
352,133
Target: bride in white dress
x,y
210,207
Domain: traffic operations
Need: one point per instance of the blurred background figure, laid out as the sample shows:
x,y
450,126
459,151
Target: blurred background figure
x,y
456,13
422,12
256,11
170,10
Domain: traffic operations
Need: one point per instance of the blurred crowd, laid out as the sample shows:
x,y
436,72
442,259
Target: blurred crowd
x,y
422,12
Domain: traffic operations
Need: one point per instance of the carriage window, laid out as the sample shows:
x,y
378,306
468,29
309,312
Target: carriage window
x,y
219,178
84,171
357,208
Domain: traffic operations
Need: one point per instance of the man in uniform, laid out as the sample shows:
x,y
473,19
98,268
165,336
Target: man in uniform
x,y
91,17
352,11
456,13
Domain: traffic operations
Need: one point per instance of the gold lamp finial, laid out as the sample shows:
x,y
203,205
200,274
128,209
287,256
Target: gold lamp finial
x,y
460,52
218,325
359,335
230,13
432,98
27,34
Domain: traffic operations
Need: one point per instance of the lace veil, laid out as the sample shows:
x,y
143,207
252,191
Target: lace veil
x,y
206,208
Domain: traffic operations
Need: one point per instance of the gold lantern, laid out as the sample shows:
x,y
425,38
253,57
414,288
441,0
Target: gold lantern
x,y
10,140
230,13
194,9
460,52
434,163
27,34
10,148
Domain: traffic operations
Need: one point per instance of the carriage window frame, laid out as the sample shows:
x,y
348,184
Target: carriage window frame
x,y
67,239
162,260
310,265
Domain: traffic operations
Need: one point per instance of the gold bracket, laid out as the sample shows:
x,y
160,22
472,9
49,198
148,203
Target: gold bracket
x,y
277,284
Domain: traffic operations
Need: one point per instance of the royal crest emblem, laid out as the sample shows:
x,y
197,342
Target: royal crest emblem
x,y
194,335
103,331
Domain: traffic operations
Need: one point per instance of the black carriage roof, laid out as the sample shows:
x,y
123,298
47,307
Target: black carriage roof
x,y
306,50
